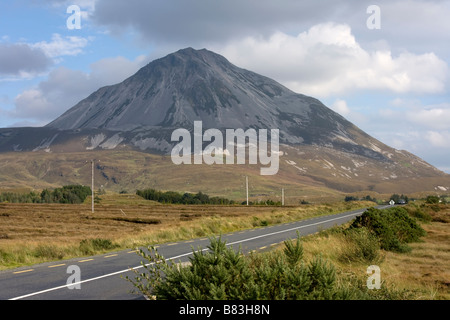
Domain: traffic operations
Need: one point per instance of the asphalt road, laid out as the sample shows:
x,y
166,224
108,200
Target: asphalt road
x,y
101,277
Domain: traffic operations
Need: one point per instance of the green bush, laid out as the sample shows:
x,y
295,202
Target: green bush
x,y
72,194
417,212
91,246
361,246
48,252
393,227
6,257
220,272
432,200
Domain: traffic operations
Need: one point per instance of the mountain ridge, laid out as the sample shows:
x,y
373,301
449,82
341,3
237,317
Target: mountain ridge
x,y
191,85
141,112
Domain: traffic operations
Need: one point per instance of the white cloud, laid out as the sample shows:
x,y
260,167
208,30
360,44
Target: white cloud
x,y
426,119
28,60
327,60
116,69
438,139
31,103
416,114
340,106
412,125
412,24
65,87
62,46
405,103
436,117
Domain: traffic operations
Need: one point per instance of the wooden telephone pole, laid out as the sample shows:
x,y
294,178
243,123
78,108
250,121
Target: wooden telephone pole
x,y
92,185
246,186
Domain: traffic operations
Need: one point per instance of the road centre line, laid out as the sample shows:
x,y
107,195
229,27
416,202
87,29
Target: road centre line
x,y
23,271
179,256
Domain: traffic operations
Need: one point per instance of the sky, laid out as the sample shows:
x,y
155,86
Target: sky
x,y
383,65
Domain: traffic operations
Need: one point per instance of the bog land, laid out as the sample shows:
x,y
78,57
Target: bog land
x,y
35,233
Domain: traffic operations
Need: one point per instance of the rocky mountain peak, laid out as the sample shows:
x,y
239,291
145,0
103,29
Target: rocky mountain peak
x,y
141,113
191,85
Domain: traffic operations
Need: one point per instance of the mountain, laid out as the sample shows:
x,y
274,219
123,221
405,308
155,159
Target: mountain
x,y
191,85
318,146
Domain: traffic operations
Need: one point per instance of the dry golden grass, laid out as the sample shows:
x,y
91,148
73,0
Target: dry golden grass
x,y
33,233
426,269
423,273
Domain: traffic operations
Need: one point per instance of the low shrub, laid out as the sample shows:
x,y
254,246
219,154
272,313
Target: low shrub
x,y
418,213
91,246
432,200
220,272
5,257
48,252
393,227
360,246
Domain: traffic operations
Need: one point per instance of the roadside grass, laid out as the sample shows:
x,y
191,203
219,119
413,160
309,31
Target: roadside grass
x,y
331,264
422,273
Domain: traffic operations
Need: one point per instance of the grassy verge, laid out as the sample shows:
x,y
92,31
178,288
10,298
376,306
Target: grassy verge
x,y
419,273
332,264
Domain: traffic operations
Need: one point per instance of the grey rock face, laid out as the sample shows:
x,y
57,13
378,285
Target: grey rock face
x,y
191,85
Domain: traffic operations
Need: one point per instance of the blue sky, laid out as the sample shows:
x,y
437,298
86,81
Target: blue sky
x,y
392,82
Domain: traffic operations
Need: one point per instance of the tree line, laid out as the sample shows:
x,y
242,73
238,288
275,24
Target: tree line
x,y
178,198
400,199
71,194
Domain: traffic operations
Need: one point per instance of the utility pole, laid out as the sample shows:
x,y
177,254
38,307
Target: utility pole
x,y
246,186
92,185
